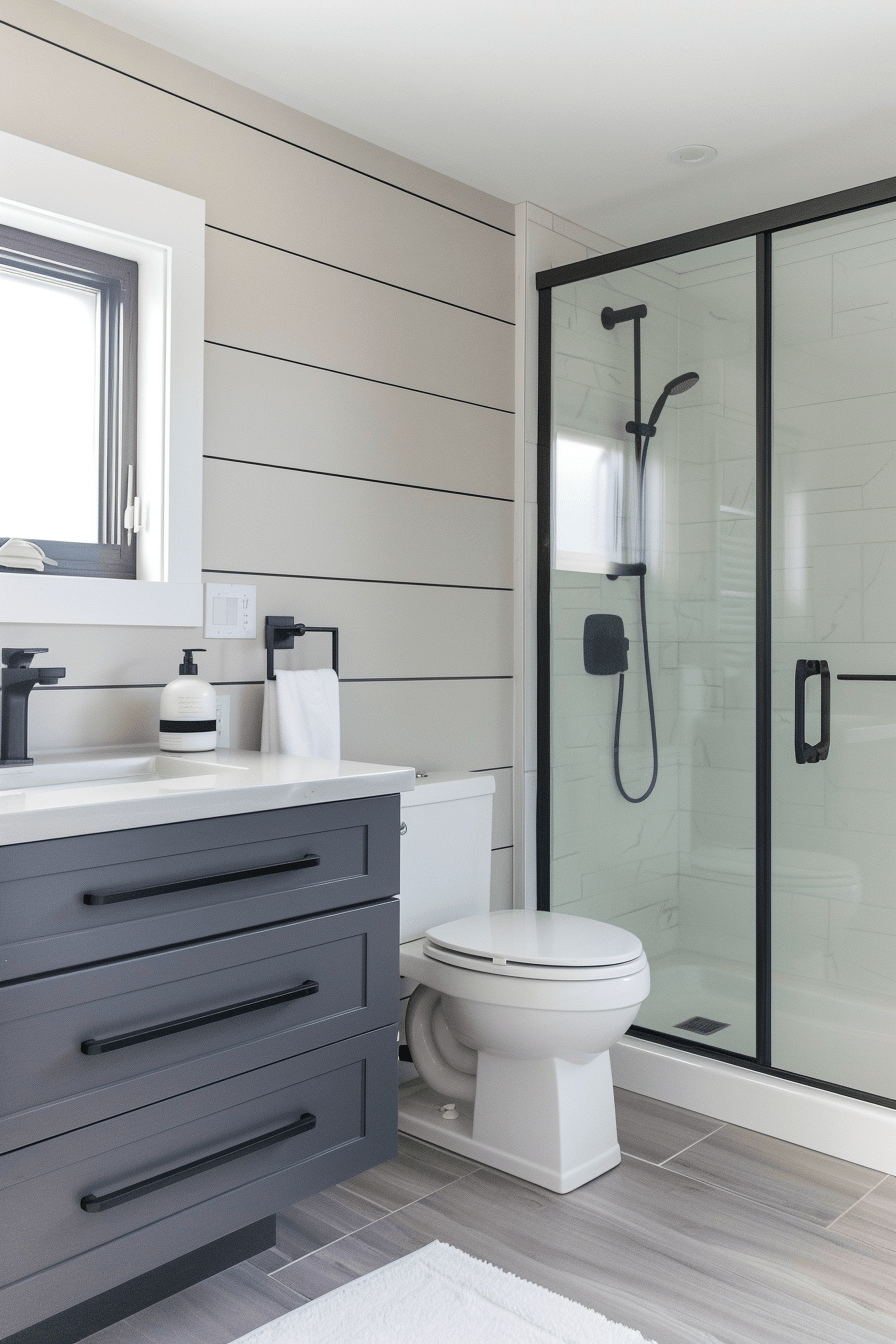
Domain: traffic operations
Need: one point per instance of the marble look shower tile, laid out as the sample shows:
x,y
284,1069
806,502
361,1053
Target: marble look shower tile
x,y
700,537
798,1181
868,810
851,526
801,932
863,946
879,561
833,425
803,297
824,499
620,903
655,1130
836,592
655,925
725,792
880,490
566,880
717,918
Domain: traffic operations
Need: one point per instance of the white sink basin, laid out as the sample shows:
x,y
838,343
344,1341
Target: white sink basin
x,y
116,776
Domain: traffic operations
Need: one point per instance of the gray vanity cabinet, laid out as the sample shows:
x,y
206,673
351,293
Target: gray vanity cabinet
x,y
197,1028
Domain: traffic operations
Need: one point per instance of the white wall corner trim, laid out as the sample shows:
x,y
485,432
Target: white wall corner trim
x,y
43,190
856,1131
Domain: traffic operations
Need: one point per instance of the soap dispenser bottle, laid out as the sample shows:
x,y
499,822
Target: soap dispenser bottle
x,y
187,714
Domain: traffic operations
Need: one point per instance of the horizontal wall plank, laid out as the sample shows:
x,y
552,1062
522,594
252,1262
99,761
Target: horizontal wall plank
x,y
67,719
432,725
188,81
385,631
268,410
260,299
252,183
502,879
444,725
258,518
265,520
63,720
502,809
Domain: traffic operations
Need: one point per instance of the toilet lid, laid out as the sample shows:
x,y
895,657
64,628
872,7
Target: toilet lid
x,y
537,938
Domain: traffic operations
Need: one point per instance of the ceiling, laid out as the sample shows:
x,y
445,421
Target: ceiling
x,y
574,104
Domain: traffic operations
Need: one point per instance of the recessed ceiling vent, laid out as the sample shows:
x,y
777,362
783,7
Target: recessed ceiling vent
x,y
691,155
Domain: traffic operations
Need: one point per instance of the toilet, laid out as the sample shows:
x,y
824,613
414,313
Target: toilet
x,y
514,1011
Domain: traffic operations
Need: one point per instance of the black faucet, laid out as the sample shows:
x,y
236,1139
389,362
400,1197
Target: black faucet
x,y
17,681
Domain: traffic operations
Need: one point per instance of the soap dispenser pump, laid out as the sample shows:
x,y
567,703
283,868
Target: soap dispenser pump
x,y
187,714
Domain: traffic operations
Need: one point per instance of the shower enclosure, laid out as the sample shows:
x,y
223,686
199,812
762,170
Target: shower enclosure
x,y
760,869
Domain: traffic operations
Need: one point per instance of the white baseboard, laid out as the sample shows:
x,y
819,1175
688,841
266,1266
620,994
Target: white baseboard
x,y
857,1131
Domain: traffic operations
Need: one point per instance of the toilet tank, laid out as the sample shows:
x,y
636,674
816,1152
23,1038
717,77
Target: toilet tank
x,y
446,850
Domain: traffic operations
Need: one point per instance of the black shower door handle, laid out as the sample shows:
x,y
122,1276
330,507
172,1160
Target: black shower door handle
x,y
805,753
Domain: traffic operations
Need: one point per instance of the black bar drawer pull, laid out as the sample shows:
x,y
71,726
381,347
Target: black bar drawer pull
x,y
138,893
805,753
103,1047
99,1203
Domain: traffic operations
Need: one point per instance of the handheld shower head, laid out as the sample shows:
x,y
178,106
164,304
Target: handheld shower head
x,y
683,383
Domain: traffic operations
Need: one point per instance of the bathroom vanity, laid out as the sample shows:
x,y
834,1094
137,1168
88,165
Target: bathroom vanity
x,y
198,1009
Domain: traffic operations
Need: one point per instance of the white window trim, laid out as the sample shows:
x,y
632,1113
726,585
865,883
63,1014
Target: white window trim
x,y
58,195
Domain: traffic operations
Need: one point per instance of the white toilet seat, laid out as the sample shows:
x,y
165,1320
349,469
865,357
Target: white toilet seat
x,y
536,945
523,971
585,990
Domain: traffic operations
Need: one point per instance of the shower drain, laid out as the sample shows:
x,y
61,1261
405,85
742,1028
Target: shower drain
x,y
706,1026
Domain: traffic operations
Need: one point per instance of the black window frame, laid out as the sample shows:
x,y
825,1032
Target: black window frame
x,y
115,280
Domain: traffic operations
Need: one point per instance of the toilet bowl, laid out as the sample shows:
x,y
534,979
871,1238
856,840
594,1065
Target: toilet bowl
x,y
513,1013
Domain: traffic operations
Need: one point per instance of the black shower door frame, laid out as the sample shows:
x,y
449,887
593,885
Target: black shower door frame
x,y
761,227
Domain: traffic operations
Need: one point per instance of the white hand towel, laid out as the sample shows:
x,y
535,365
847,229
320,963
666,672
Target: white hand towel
x,y
300,716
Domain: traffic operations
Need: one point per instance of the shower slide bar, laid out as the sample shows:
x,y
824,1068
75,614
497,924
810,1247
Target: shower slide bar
x,y
280,633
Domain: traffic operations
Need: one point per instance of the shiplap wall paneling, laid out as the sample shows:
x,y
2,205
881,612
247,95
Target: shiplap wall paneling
x,y
359,398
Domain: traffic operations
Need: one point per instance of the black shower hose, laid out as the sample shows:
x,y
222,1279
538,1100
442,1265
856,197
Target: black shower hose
x,y
656,759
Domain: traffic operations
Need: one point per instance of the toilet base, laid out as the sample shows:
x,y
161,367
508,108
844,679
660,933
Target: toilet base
x,y
419,1115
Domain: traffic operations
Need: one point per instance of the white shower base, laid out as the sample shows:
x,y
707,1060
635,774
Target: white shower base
x,y
819,1030
834,1035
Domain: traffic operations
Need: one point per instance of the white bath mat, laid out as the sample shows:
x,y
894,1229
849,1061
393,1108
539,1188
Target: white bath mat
x,y
441,1294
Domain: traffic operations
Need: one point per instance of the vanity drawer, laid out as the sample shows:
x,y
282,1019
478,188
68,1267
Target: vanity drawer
x,y
204,1163
88,898
96,1041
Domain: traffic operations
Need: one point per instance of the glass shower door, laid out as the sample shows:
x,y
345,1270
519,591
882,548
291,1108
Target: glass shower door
x,y
834,629
664,498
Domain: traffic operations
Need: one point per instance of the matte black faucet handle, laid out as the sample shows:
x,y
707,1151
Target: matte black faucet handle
x,y
19,657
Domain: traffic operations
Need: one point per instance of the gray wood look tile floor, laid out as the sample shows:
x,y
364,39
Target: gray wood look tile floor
x,y
705,1234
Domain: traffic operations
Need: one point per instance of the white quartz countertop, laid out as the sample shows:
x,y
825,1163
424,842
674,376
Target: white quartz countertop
x,y
85,792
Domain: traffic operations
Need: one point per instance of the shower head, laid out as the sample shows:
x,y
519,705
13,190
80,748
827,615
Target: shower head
x,y
683,383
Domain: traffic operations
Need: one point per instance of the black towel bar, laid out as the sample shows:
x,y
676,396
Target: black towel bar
x,y
280,633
